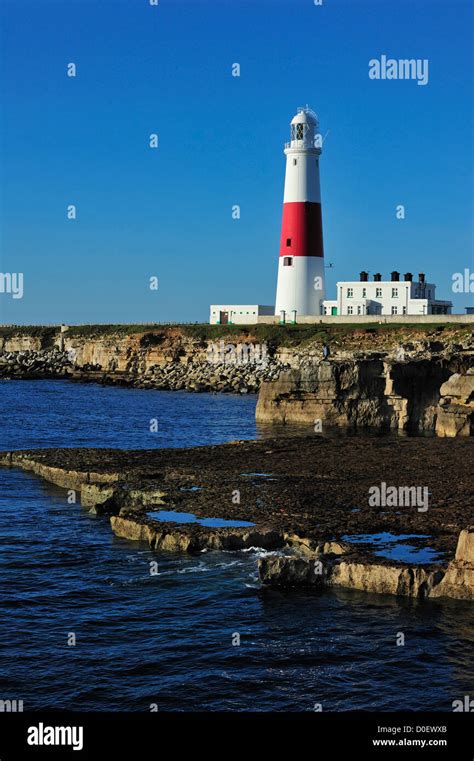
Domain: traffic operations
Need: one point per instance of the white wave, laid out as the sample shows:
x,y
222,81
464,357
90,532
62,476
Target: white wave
x,y
261,552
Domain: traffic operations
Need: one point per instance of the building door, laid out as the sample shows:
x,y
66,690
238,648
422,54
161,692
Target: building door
x,y
334,310
223,318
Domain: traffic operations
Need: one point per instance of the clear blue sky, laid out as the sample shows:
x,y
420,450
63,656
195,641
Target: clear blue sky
x,y
167,212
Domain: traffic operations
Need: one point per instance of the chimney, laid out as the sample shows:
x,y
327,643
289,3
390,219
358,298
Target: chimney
x,y
408,277
395,276
364,276
377,277
421,277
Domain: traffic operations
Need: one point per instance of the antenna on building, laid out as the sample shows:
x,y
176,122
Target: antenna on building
x,y
307,110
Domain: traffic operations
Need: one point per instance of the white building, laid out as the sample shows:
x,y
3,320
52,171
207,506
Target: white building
x,y
238,314
386,297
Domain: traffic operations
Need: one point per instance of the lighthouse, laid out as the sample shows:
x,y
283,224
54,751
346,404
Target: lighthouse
x,y
300,288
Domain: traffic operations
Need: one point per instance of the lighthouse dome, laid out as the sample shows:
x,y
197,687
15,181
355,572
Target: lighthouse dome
x,y
305,115
303,128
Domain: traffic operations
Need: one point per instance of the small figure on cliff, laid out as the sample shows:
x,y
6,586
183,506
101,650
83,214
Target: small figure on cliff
x,y
326,351
400,355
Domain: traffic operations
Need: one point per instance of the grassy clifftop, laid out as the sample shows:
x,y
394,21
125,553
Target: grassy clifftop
x,y
276,335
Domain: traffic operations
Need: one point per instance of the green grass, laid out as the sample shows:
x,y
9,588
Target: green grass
x,y
274,335
89,331
7,331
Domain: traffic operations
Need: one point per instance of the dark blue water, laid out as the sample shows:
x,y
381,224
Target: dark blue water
x,y
174,517
392,546
167,639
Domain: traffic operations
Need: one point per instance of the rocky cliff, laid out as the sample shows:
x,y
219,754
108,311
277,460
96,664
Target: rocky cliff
x,y
410,378
327,567
419,385
169,358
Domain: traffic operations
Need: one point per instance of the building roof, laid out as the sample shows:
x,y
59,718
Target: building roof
x,y
382,282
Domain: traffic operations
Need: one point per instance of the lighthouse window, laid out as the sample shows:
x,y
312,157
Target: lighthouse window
x,y
295,161
287,261
288,241
299,131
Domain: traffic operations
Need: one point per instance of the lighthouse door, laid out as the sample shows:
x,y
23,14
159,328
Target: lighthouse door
x,y
224,318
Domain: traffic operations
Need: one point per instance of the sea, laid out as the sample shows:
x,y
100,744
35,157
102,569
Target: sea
x,y
85,626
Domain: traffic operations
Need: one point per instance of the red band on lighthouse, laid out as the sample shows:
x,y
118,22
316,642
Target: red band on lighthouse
x,y
301,230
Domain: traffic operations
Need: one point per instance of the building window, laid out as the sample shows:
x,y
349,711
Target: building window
x,y
288,241
287,261
350,293
295,161
364,293
350,310
394,293
378,292
394,310
359,310
404,310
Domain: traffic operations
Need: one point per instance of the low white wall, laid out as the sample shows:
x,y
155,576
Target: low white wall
x,y
373,318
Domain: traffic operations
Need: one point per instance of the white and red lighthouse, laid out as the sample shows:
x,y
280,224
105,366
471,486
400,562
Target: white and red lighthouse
x,y
300,289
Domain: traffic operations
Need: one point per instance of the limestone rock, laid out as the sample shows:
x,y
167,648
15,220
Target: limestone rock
x,y
465,548
459,386
455,581
371,392
455,414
